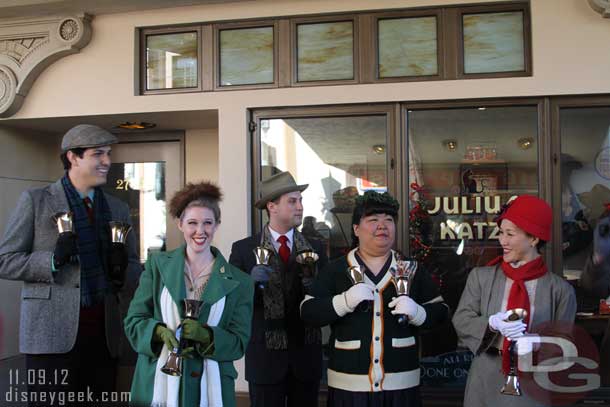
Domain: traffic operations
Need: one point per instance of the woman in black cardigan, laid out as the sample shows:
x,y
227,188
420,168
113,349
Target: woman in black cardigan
x,y
373,358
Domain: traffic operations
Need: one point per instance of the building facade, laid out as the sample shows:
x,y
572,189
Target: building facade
x,y
452,106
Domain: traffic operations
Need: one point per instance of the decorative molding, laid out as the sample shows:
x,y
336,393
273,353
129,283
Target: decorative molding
x,y
27,47
601,6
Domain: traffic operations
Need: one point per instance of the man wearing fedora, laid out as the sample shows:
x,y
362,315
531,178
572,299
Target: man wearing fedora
x,y
74,293
284,355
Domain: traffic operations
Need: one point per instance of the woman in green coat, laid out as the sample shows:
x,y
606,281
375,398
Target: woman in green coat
x,y
196,270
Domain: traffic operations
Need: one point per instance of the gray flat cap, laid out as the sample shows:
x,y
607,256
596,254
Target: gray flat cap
x,y
86,136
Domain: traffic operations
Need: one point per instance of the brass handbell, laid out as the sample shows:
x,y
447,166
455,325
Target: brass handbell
x,y
262,255
511,385
192,308
173,365
355,274
402,277
64,222
119,231
307,257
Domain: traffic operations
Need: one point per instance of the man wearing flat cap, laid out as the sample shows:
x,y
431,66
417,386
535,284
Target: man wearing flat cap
x,y
74,283
284,356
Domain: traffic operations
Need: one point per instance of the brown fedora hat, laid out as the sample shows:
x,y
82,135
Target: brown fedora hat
x,y
276,186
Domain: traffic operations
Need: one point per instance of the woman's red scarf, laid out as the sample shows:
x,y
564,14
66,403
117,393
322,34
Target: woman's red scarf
x,y
517,297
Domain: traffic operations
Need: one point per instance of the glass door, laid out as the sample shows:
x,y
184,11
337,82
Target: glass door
x,y
145,176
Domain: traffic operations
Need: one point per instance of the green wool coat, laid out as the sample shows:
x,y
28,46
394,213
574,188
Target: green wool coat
x,y
230,336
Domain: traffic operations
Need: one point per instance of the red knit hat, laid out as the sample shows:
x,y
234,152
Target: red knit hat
x,y
531,214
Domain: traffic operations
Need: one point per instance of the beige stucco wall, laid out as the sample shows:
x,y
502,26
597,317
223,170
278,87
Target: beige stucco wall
x,y
201,155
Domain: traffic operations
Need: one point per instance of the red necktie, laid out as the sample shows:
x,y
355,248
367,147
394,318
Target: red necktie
x,y
89,207
284,251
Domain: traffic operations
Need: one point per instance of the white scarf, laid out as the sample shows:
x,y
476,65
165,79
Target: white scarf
x,y
166,390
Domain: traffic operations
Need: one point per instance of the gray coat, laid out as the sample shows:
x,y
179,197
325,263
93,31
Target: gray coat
x,y
50,302
554,301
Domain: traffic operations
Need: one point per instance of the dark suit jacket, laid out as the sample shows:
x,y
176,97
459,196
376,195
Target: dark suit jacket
x,y
265,366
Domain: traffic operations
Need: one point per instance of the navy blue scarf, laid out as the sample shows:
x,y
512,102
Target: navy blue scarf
x,y
93,242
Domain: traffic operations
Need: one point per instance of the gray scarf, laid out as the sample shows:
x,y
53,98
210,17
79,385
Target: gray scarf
x,y
284,283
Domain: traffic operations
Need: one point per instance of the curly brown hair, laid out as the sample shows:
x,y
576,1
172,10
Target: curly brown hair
x,y
203,194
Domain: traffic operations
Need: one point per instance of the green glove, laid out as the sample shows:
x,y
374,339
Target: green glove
x,y
194,331
188,353
165,335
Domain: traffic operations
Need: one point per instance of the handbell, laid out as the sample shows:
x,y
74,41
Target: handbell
x,y
119,231
307,257
262,255
64,222
402,286
355,274
516,314
172,366
511,387
192,308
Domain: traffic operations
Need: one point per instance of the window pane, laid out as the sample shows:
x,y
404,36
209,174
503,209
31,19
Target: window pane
x,y
407,47
246,56
493,42
325,51
469,162
339,157
585,194
142,187
171,61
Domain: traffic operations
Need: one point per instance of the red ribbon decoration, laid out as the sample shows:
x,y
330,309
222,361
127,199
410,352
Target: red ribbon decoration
x,y
416,189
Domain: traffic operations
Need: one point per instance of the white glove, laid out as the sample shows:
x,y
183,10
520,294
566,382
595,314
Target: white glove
x,y
358,293
525,343
405,305
510,330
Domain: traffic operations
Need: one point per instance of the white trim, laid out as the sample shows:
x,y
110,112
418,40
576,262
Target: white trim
x,y
307,297
376,369
360,382
403,342
340,305
401,380
347,345
420,316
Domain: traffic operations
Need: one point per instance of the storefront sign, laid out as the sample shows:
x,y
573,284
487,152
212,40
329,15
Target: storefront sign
x,y
467,205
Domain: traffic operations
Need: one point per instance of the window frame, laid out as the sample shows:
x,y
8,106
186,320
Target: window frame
x,y
490,9
217,28
556,105
143,80
256,115
336,18
440,43
543,145
450,52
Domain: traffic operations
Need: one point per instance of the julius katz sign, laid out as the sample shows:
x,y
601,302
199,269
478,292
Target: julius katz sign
x,y
461,207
